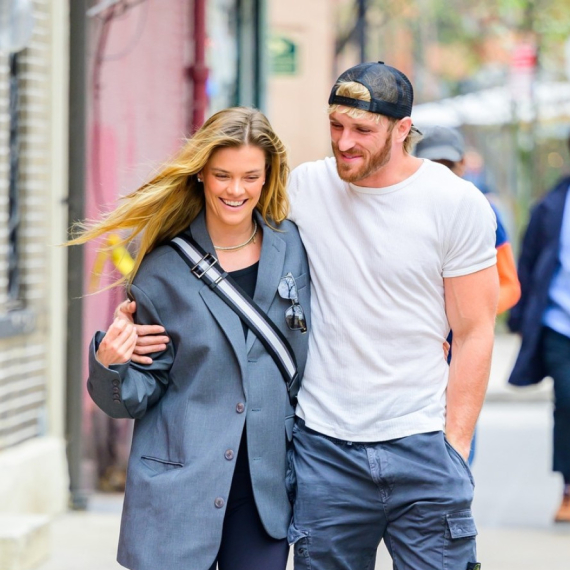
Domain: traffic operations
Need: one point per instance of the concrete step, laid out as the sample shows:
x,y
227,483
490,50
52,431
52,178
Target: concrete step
x,y
24,541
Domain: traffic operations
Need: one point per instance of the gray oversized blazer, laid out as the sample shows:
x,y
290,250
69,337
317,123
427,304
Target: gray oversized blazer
x,y
190,406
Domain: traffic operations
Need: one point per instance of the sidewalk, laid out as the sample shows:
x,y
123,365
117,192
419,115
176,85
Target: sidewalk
x,y
504,356
88,540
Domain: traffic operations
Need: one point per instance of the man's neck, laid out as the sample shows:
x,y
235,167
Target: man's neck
x,y
399,168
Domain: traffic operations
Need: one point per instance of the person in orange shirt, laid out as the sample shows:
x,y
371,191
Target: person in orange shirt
x,y
446,146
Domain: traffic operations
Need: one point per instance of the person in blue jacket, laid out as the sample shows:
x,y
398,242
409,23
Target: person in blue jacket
x,y
542,317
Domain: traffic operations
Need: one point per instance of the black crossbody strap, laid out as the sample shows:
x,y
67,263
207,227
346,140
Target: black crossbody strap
x,y
205,267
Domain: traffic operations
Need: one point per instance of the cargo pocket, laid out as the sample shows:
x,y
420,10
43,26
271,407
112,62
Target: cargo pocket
x,y
460,533
299,540
290,476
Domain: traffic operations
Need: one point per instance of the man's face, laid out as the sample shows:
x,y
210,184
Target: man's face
x,y
361,146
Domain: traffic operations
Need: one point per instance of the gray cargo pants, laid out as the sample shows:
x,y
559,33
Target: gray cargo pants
x,y
414,493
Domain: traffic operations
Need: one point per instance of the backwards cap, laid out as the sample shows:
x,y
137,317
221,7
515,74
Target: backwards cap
x,y
391,92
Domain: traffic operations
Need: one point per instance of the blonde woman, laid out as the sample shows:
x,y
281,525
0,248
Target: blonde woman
x,y
206,477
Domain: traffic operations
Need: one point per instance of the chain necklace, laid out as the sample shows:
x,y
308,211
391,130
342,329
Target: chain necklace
x,y
236,247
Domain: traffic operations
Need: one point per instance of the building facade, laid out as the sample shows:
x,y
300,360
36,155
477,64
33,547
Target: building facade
x,y
153,75
33,189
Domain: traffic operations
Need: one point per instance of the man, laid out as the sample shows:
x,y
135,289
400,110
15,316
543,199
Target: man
x,y
542,317
400,249
447,146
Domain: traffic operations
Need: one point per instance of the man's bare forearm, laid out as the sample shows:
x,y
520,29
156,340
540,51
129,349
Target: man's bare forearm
x,y
468,379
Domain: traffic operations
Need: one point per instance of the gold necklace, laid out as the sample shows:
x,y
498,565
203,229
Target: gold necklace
x,y
236,247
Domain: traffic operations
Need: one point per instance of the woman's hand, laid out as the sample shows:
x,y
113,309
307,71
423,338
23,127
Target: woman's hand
x,y
151,338
118,344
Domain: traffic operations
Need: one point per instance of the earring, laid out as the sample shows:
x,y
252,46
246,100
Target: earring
x,y
199,179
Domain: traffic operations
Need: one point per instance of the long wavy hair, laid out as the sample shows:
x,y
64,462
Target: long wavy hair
x,y
165,206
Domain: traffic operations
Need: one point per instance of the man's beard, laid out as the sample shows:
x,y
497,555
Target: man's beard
x,y
371,163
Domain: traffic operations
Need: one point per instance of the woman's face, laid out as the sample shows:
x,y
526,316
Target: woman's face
x,y
233,180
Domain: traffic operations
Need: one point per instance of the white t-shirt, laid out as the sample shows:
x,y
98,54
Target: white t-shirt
x,y
378,256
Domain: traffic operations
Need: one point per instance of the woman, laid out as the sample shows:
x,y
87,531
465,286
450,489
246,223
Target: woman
x,y
206,476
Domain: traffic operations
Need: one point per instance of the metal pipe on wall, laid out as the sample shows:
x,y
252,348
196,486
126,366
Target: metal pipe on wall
x,y
199,71
76,211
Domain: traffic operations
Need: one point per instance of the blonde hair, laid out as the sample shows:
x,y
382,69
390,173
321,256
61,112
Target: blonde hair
x,y
356,90
165,206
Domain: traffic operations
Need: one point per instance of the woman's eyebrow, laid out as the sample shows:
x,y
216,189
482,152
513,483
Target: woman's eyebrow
x,y
222,171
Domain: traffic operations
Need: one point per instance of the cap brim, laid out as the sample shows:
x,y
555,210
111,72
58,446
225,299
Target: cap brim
x,y
442,152
415,129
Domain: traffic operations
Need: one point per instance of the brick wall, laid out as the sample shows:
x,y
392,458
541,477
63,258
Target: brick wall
x,y
23,355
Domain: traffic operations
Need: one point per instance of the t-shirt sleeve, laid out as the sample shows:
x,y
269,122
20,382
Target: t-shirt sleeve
x,y
501,237
293,185
471,241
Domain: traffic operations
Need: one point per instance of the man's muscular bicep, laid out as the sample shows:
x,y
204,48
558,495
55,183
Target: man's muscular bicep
x,y
471,300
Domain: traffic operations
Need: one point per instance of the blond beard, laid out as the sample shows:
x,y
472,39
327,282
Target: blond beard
x,y
372,163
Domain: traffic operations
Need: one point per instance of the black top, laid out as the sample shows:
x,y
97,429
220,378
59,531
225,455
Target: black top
x,y
246,278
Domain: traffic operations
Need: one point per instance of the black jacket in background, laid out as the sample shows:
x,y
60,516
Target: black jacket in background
x,y
538,262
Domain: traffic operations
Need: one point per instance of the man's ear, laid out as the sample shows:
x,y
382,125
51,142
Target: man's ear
x,y
401,129
460,168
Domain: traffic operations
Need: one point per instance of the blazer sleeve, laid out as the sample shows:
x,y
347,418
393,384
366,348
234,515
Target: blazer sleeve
x,y
532,245
129,390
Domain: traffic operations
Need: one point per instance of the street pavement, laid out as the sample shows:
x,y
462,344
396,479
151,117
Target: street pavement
x,y
515,499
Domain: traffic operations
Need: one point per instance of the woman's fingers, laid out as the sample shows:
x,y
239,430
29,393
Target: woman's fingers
x,y
125,311
118,344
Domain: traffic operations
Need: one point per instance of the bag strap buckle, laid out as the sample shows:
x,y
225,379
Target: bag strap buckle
x,y
199,271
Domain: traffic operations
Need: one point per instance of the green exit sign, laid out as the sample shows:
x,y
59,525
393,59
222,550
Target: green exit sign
x,y
284,55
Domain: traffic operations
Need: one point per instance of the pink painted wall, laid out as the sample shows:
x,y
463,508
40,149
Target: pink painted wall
x,y
138,121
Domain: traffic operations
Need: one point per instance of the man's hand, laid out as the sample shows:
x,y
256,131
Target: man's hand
x,y
150,338
463,449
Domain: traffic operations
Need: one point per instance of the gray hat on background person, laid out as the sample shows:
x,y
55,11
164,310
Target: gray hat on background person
x,y
441,143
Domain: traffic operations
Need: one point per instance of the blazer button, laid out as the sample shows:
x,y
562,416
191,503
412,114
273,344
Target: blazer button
x,y
229,454
116,390
240,408
219,502
115,382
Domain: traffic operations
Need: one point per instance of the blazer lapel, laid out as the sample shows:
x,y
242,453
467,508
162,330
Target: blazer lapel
x,y
229,322
270,271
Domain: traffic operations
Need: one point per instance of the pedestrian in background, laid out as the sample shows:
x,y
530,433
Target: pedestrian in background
x,y
447,146
206,481
542,318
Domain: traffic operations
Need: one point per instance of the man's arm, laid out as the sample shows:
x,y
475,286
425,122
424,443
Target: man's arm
x,y
470,304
